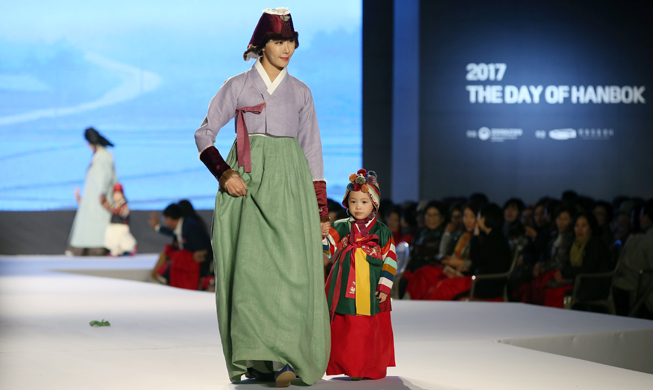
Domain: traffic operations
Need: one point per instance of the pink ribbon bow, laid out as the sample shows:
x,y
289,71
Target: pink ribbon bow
x,y
242,136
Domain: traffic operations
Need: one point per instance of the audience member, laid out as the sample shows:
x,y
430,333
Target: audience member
x,y
489,254
425,247
419,283
603,213
588,254
551,260
637,255
393,221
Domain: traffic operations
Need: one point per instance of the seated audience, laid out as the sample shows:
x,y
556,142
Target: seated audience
x,y
551,260
193,258
421,281
489,254
603,213
393,221
454,229
636,255
587,255
425,247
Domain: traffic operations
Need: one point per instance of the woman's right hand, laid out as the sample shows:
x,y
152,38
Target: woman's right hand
x,y
235,186
450,228
537,269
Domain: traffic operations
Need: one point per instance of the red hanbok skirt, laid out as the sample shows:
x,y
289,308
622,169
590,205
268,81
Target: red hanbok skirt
x,y
361,346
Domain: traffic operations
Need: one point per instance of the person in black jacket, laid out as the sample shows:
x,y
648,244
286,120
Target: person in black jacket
x,y
588,254
192,259
489,254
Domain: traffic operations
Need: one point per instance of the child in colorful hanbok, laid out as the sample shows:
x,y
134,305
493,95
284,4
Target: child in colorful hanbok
x,y
359,285
118,238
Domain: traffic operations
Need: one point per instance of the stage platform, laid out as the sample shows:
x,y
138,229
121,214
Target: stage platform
x,y
166,338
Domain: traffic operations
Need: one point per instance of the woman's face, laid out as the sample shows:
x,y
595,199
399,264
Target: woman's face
x,y
563,221
456,218
469,220
601,215
511,213
393,222
278,53
360,205
433,218
582,228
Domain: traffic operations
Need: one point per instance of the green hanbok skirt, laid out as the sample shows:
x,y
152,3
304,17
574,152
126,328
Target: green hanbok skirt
x,y
268,264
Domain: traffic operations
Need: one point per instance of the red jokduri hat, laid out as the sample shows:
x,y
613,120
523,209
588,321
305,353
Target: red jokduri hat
x,y
276,21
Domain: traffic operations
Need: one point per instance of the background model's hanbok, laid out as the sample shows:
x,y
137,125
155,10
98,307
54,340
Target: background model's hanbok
x,y
92,219
267,244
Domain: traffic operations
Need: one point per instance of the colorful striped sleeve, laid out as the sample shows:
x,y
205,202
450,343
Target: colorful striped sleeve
x,y
389,267
330,242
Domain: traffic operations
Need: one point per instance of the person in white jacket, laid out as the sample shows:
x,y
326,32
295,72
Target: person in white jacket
x,y
92,219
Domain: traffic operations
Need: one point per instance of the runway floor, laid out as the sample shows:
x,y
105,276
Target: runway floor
x,y
166,338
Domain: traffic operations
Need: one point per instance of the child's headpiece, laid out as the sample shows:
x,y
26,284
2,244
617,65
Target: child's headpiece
x,y
366,182
118,187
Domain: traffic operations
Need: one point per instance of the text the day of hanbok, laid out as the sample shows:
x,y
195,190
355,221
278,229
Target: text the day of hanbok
x,y
551,94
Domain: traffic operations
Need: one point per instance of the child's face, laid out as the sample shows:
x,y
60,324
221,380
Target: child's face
x,y
360,205
117,196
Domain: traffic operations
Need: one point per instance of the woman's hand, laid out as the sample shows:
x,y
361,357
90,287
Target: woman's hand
x,y
381,296
537,269
78,197
325,227
558,277
235,186
450,228
153,221
530,232
456,263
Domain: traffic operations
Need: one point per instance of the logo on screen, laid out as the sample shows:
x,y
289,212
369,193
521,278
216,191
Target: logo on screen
x,y
562,134
495,134
484,134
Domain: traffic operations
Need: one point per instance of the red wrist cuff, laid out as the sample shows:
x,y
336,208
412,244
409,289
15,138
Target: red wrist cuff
x,y
321,194
214,162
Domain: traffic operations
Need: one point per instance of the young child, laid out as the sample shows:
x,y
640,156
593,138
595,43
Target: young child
x,y
359,284
118,238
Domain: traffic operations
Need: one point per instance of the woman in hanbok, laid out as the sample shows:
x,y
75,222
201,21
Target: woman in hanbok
x,y
92,219
270,214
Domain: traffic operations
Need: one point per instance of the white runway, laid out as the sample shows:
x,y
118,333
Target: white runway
x,y
167,338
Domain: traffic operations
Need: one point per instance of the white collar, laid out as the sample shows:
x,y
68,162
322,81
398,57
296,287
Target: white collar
x,y
272,86
177,230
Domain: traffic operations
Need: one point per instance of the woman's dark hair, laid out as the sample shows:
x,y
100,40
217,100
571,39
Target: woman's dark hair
x,y
409,212
390,210
515,202
172,211
493,215
442,209
187,210
565,209
591,221
552,208
479,198
333,205
608,209
270,37
472,206
455,206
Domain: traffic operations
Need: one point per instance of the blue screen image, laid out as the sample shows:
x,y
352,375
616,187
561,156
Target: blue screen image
x,y
143,73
